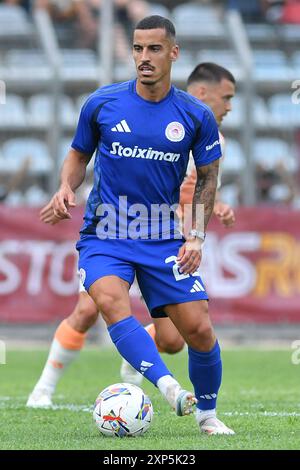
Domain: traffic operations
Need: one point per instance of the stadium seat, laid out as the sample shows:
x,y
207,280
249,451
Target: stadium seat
x,y
197,21
234,119
270,152
13,112
195,13
2,162
28,65
40,111
183,66
226,58
259,32
261,115
16,150
290,33
269,57
80,64
80,100
230,194
234,161
283,111
221,56
295,61
271,65
14,22
35,196
157,9
64,147
280,192
15,199
123,72
296,58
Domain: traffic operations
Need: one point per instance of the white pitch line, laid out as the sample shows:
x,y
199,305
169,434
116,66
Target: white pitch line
x,y
19,402
68,406
280,414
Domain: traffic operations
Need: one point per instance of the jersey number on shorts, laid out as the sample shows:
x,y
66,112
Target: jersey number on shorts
x,y
179,276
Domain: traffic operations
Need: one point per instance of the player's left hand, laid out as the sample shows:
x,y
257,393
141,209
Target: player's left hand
x,y
47,214
63,200
189,256
224,213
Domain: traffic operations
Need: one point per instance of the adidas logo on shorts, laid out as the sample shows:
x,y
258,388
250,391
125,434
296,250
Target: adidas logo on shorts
x,y
197,287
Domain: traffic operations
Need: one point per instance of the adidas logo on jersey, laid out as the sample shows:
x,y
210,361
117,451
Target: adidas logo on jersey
x,y
145,366
149,153
197,287
121,127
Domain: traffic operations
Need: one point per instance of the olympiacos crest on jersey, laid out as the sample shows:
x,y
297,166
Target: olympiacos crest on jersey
x,y
175,131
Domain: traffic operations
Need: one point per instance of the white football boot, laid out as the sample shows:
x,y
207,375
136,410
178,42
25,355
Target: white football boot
x,y
40,398
129,374
182,401
185,403
211,425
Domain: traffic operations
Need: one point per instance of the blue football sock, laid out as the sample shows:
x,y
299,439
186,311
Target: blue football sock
x,y
137,347
205,370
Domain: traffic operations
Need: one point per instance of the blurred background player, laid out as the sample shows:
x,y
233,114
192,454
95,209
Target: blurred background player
x,y
215,86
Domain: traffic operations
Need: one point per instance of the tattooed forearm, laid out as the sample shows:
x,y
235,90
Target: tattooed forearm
x,y
205,192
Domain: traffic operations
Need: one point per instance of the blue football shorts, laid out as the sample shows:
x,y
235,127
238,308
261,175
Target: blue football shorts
x,y
152,261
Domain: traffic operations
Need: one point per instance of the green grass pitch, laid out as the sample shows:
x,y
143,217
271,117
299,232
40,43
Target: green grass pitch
x,y
259,399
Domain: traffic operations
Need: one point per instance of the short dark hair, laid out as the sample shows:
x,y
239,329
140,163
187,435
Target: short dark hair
x,y
209,72
157,22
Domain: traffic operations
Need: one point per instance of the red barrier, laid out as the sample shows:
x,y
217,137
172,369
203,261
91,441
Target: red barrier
x,y
252,272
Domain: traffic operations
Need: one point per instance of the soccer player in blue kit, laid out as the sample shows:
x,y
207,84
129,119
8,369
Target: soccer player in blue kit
x,y
143,131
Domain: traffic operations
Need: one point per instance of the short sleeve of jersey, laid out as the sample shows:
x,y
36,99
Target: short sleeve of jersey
x,y
87,135
206,147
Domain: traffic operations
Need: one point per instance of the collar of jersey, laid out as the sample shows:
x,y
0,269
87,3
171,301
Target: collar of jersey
x,y
151,103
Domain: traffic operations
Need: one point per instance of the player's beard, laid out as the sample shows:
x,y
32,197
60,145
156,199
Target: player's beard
x,y
148,82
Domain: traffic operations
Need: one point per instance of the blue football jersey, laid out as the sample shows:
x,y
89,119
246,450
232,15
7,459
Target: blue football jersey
x,y
142,152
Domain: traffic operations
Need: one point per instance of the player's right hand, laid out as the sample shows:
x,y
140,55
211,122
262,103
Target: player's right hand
x,y
62,201
47,214
189,256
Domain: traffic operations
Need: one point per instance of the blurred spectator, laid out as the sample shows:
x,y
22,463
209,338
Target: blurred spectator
x,y
291,12
127,14
83,16
275,186
251,11
273,10
26,4
70,15
130,12
8,187
282,11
